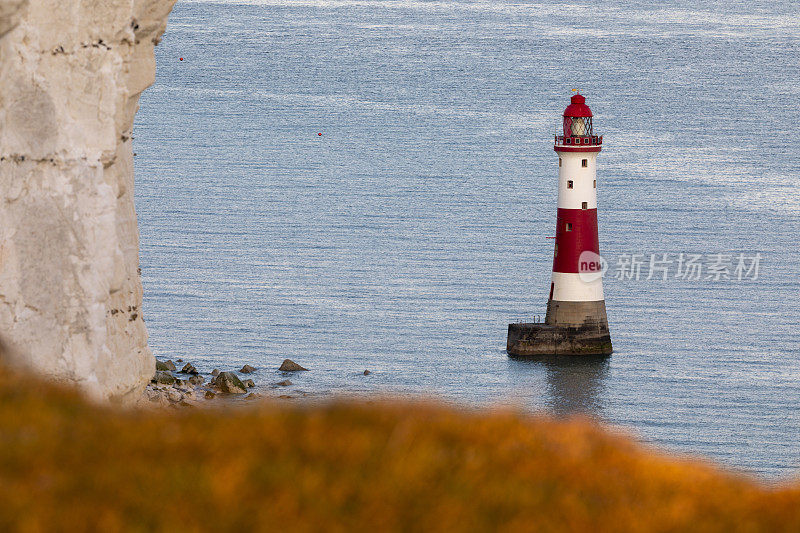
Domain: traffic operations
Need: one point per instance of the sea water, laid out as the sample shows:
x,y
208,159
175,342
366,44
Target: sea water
x,y
371,185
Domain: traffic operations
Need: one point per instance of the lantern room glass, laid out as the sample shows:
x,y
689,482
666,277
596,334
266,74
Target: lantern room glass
x,y
577,126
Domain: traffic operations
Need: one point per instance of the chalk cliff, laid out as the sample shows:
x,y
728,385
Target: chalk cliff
x,y
71,72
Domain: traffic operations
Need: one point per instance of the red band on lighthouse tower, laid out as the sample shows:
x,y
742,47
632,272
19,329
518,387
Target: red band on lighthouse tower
x,y
576,232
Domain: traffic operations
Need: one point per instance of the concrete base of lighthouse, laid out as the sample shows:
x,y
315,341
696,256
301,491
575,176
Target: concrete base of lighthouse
x,y
570,328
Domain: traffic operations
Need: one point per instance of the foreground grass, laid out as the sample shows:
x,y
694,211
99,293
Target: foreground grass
x,y
69,465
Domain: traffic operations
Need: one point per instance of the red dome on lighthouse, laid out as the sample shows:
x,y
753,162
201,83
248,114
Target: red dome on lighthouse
x,y
578,107
576,132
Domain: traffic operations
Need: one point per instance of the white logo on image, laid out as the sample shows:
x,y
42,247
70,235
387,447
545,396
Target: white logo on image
x,y
591,266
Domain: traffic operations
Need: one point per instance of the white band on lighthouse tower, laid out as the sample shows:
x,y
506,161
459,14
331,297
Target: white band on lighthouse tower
x,y
577,180
568,287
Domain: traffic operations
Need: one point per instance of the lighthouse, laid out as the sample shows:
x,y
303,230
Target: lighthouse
x,y
576,322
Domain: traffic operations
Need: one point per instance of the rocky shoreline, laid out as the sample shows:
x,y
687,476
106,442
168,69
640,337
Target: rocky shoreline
x,y
188,387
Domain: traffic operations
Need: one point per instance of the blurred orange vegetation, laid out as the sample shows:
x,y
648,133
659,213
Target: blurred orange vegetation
x,y
66,464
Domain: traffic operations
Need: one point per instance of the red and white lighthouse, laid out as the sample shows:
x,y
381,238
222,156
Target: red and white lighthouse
x,y
576,321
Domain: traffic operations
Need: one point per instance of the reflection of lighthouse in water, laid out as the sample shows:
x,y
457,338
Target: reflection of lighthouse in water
x,y
576,322
576,384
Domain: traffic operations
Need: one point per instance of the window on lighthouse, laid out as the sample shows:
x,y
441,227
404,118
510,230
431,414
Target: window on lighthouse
x,y
584,162
569,184
559,161
569,226
585,205
594,184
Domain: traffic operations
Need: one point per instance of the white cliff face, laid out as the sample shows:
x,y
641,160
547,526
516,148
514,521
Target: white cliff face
x,y
71,72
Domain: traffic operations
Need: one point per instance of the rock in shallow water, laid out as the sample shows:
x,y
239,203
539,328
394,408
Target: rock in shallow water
x,y
215,372
367,372
290,366
284,383
188,368
162,367
230,383
163,378
249,383
247,369
196,380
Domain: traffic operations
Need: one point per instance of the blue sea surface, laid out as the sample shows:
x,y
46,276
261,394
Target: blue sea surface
x,y
408,235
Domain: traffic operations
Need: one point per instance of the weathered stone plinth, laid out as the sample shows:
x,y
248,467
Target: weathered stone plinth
x,y
526,340
570,328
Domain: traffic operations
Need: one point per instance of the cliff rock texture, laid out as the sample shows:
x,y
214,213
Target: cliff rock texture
x,y
71,72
